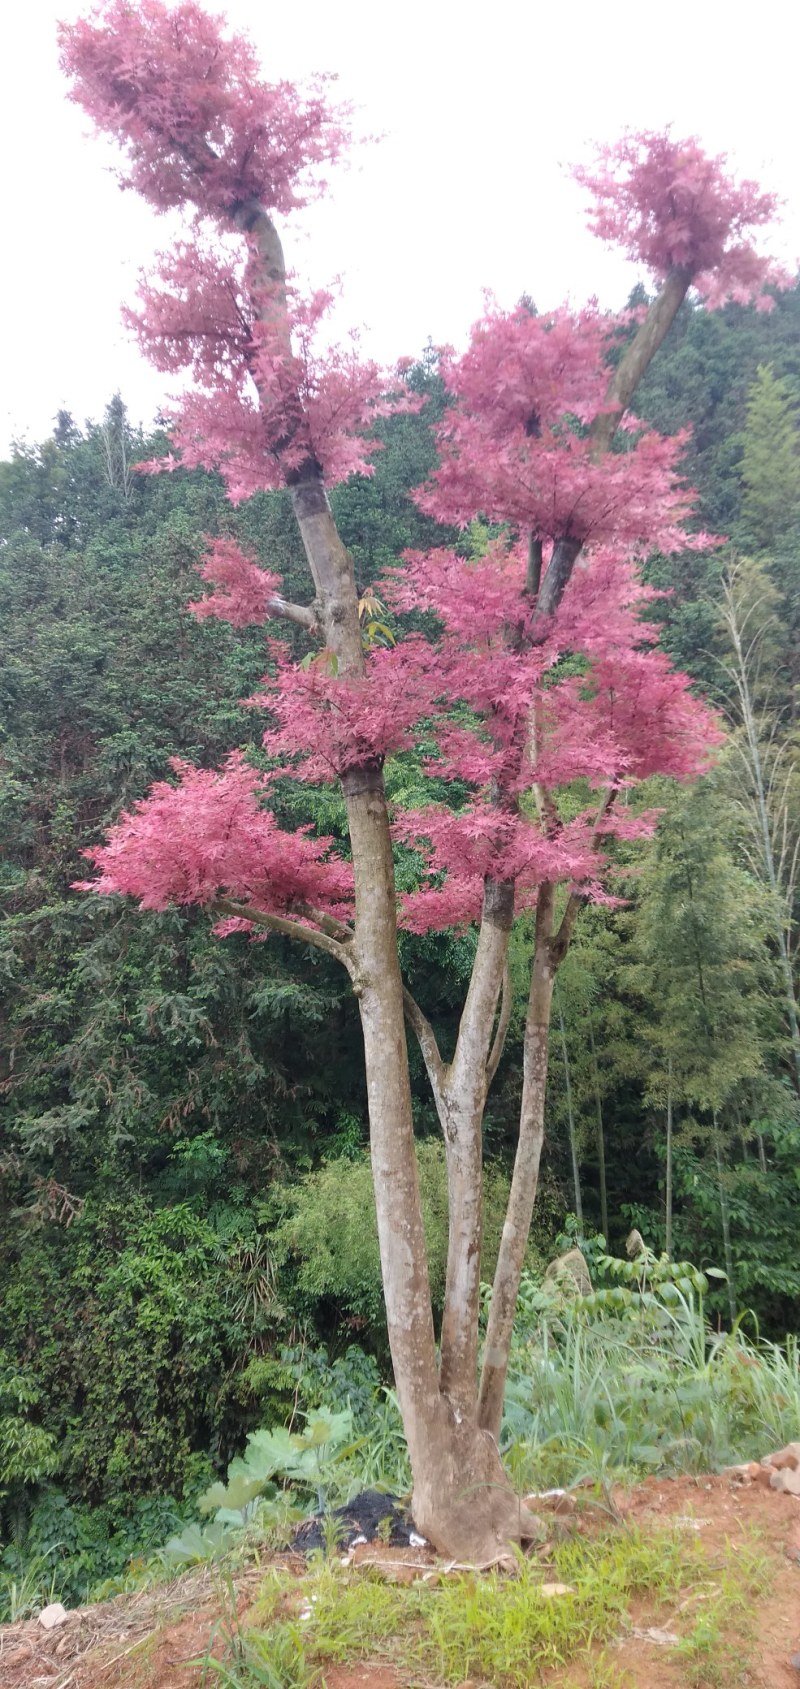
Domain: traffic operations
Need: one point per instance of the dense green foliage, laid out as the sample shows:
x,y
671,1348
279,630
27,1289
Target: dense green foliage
x,y
183,1173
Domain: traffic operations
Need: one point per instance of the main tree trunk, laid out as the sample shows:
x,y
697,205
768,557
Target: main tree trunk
x,y
463,1501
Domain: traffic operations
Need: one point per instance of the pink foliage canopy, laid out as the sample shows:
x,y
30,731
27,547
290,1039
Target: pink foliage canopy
x,y
200,128
264,400
188,104
589,702
596,702
505,717
671,206
210,836
510,445
245,593
328,723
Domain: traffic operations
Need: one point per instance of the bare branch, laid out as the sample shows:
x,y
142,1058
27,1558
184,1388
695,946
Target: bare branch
x,y
304,615
560,943
533,576
498,1046
467,1073
639,354
426,1038
328,923
289,929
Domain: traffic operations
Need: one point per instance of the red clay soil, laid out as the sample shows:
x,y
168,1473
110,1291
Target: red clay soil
x,y
154,1640
363,1677
723,1512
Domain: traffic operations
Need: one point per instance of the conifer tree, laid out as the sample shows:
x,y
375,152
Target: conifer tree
x,y
770,460
766,760
700,934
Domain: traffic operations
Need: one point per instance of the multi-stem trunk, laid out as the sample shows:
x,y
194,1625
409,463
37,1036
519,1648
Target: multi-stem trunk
x,y
525,1178
462,1499
573,1139
461,1301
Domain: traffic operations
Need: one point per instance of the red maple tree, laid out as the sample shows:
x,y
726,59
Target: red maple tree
x,y
540,441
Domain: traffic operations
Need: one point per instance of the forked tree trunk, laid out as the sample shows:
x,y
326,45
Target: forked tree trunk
x,y
525,1179
462,1498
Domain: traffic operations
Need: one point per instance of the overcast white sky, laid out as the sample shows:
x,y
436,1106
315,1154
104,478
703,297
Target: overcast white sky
x,y
481,105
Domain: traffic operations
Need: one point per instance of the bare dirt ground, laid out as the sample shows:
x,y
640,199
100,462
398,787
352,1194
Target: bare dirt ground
x,y
154,1640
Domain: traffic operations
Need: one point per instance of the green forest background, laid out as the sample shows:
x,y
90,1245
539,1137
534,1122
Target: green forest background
x,y
184,1179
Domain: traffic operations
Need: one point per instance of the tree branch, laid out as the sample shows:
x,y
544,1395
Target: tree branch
x,y
533,574
638,356
426,1038
498,1045
328,923
559,571
467,1073
289,929
560,943
633,364
304,615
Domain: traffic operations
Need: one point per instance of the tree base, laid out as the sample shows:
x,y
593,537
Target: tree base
x,y
464,1502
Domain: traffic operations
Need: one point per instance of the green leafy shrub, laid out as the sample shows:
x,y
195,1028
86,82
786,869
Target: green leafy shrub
x,y
275,1461
27,1452
326,1239
131,1329
71,1551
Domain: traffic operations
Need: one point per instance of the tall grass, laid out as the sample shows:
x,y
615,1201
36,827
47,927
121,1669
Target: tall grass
x,y
600,1390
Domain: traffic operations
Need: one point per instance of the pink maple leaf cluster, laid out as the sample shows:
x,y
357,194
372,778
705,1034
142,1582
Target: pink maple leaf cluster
x,y
328,723
672,207
188,103
244,592
461,849
595,702
514,447
264,400
210,836
201,129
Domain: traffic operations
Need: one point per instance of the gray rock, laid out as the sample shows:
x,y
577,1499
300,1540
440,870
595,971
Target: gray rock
x,y
52,1616
571,1266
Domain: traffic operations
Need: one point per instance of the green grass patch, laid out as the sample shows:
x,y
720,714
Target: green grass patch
x,y
505,1631
716,1646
